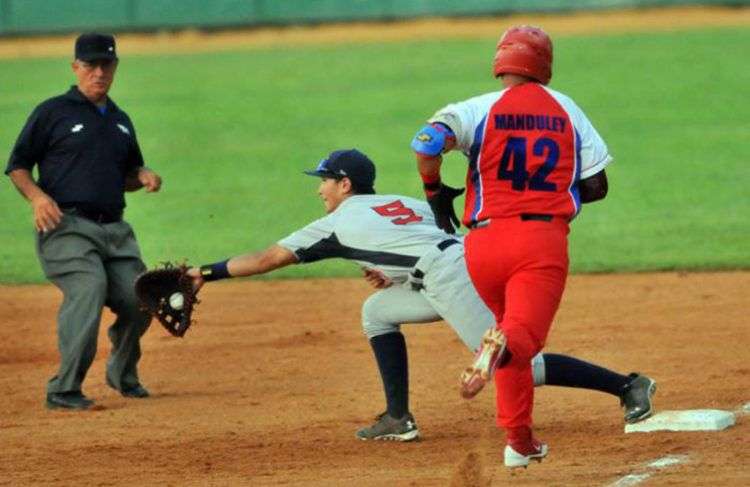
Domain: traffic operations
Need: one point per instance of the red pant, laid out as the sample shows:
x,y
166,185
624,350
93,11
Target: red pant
x,y
519,269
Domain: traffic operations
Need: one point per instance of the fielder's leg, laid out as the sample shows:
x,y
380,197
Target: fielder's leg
x,y
382,314
634,391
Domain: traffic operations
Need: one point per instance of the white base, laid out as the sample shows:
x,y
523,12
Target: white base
x,y
691,420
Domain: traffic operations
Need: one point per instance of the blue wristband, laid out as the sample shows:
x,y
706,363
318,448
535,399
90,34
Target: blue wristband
x,y
215,271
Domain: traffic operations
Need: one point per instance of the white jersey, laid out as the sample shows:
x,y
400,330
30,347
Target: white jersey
x,y
468,118
388,233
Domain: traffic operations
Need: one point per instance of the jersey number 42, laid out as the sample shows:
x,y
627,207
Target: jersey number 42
x,y
515,154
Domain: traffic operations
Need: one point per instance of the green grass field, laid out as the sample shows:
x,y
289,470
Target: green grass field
x,y
231,132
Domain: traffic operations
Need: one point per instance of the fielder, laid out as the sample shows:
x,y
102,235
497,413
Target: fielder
x,y
534,158
422,277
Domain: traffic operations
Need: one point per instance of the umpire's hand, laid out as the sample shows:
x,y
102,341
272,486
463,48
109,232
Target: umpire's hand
x,y
47,214
149,179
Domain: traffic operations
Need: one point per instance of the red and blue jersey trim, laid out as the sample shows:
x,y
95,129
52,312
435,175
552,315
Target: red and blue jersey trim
x,y
474,180
575,194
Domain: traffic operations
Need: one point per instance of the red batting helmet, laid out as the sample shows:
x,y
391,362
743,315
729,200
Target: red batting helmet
x,y
525,50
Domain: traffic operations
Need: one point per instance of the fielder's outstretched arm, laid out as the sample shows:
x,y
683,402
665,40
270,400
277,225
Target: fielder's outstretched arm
x,y
274,257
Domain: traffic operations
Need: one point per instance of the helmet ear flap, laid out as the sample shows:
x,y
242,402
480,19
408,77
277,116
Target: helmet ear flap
x,y
526,51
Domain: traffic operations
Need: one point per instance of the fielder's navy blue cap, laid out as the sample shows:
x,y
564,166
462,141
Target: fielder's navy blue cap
x,y
349,163
93,46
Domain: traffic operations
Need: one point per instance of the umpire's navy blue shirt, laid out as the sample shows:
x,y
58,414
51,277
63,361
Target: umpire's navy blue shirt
x,y
83,155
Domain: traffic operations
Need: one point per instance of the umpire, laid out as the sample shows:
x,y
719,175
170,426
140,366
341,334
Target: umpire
x,y
87,156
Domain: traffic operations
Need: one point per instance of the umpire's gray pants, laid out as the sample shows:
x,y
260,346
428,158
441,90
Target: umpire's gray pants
x,y
94,265
447,294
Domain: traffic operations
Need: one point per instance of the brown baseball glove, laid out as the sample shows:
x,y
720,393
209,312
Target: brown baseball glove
x,y
167,293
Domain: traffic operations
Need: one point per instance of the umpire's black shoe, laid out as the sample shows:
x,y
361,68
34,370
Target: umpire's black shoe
x,y
137,391
68,400
636,397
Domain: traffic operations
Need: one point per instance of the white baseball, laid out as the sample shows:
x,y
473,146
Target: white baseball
x,y
176,301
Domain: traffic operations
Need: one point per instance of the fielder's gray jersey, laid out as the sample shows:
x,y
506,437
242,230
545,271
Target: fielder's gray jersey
x,y
384,232
395,235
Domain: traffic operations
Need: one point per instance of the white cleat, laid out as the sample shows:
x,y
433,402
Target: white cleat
x,y
490,351
536,451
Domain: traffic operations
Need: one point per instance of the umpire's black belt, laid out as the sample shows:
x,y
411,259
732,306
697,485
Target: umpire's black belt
x,y
417,274
93,215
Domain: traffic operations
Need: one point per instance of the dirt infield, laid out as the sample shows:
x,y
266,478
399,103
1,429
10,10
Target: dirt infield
x,y
270,385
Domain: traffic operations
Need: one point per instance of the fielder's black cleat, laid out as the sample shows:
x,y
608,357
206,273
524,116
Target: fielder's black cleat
x,y
389,428
636,398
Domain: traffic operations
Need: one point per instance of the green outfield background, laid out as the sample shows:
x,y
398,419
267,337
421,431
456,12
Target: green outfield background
x,y
231,132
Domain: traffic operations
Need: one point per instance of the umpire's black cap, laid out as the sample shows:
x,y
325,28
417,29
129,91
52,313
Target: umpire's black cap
x,y
349,163
93,46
